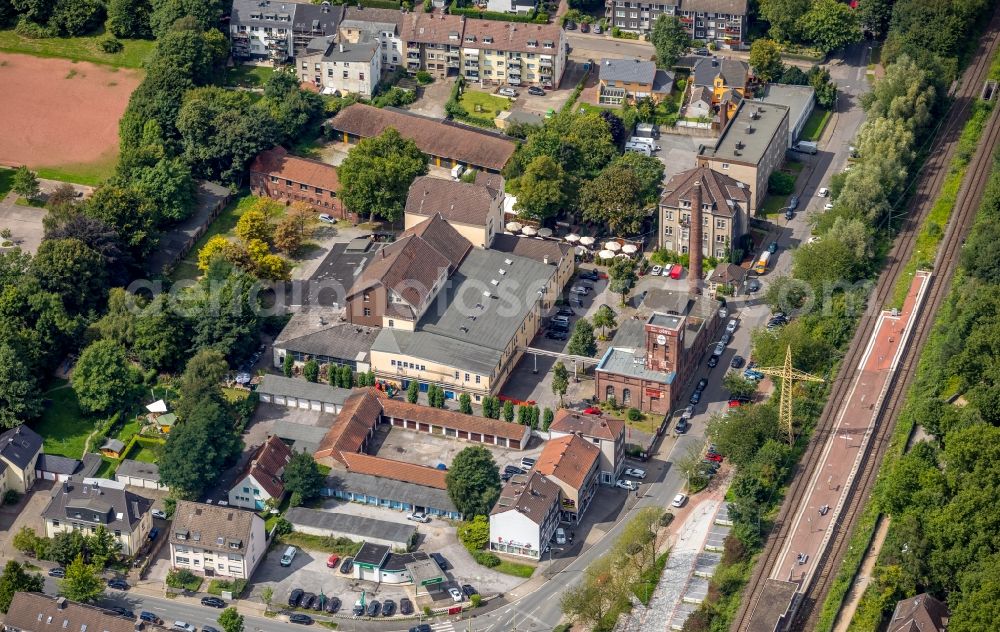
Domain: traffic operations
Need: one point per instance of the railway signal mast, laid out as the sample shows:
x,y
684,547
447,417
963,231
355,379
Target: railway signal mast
x,y
789,375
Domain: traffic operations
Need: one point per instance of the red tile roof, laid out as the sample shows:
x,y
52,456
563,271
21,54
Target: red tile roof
x,y
572,422
512,36
277,162
432,28
568,459
456,420
395,470
361,413
268,466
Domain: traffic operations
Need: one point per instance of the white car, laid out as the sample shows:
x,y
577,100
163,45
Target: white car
x,y
723,313
731,326
456,594
813,239
583,290
679,500
185,626
823,192
159,513
688,412
327,218
656,270
418,516
827,207
560,536
719,349
507,92
635,472
629,485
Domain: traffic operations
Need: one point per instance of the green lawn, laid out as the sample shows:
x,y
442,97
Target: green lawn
x,y
87,48
489,105
516,569
248,76
224,225
87,173
6,181
63,426
814,127
773,204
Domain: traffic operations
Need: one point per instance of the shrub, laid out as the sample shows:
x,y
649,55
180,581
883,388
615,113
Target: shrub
x,y
424,77
634,414
112,45
485,558
282,527
11,497
475,600
183,579
31,30
781,183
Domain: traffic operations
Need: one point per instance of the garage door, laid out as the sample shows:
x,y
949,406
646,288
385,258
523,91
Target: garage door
x,y
280,399
265,397
317,406
329,408
370,574
304,403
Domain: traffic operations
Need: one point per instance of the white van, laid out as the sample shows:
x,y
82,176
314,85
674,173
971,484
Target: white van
x,y
286,559
638,148
648,142
457,171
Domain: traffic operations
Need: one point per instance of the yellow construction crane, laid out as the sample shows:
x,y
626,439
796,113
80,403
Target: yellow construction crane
x,y
788,375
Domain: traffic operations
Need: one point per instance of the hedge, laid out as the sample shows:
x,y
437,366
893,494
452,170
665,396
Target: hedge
x,y
535,17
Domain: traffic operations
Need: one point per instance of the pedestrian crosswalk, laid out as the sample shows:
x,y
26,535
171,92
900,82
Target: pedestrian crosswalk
x,y
444,626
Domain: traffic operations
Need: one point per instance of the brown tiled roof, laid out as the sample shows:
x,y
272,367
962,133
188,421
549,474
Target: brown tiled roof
x,y
432,28
35,612
361,413
277,162
395,470
455,201
531,494
597,426
451,419
716,189
568,459
268,466
537,249
513,36
212,526
431,137
921,613
728,273
443,237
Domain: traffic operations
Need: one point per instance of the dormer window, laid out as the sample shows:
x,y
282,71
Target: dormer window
x,y
532,43
549,44
470,38
488,39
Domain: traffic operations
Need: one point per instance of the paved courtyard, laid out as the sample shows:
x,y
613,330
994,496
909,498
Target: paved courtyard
x,y
24,222
430,450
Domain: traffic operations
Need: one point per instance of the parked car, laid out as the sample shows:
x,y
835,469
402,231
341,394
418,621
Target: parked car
x,y
184,626
564,310
751,374
308,601
629,485
823,192
57,572
374,608
635,472
713,361
358,609
688,412
423,627
418,516
682,426
213,602
405,606
828,206
468,590
695,397
719,349
753,285
332,605
589,275
443,563
347,565
327,219
679,500
456,594
726,338
656,270
582,290
560,536
118,584
507,92
772,247
122,612
714,457
702,384
209,628
295,597
332,561
731,326
536,91
159,513
793,203
597,29
149,617
704,52
556,334
388,608
527,463
299,618
584,27
736,362
570,25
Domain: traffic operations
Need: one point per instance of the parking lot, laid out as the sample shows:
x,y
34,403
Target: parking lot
x,y
678,153
431,450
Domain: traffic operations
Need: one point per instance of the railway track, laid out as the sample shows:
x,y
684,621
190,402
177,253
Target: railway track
x,y
932,177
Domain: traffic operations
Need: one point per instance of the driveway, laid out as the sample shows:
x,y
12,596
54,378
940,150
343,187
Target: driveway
x,y
584,46
26,513
432,98
24,222
678,153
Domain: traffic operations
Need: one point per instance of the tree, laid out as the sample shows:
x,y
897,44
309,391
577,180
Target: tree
x,y
377,173
310,371
253,225
473,481
541,190
161,336
465,403
37,11
826,89
491,407
25,540
619,133
784,17
66,546
874,16
128,212
97,235
20,399
615,197
604,588
302,476
102,547
604,318
129,18
266,595
103,379
83,582
206,14
738,386
765,59
197,451
16,578
508,411
224,311
780,183
623,277
288,365
293,229
72,270
830,25
201,380
648,171
475,533
670,39
78,17
548,417
583,342
169,186
25,183
560,380
231,620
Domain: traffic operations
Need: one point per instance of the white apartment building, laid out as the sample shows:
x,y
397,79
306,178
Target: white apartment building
x,y
216,541
382,25
525,517
341,67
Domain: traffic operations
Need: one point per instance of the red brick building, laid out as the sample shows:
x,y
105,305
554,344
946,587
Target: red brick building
x,y
280,176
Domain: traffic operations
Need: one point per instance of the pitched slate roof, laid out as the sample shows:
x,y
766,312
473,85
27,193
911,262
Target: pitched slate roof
x,y
531,494
56,464
301,389
734,72
267,466
307,333
717,189
225,529
395,470
513,36
569,459
277,162
138,469
921,613
597,426
361,413
455,201
97,501
366,18
405,491
628,70
35,612
728,273
537,249
731,7
455,142
18,446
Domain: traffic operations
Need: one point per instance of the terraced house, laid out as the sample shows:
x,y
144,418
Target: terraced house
x,y
433,42
722,22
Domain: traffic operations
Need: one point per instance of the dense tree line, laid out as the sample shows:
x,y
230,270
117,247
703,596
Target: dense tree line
x,y
823,24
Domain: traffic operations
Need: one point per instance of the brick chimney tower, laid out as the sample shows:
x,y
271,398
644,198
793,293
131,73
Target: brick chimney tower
x,y
694,241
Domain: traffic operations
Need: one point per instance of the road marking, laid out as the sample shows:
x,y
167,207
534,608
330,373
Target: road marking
x,y
444,626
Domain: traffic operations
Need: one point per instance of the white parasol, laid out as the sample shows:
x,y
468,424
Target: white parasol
x,y
606,254
544,232
572,238
580,250
586,241
613,246
629,249
529,231
513,226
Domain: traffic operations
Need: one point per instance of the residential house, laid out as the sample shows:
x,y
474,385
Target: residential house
x,y
262,479
751,147
474,210
627,80
728,79
433,42
37,612
699,105
20,449
607,433
341,67
519,7
526,516
721,22
277,30
800,101
277,174
216,541
83,504
518,54
446,144
727,277
725,206
922,613
381,24
573,463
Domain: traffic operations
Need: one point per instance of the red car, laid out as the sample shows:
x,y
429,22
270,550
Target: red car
x,y
592,411
331,561
735,403
714,457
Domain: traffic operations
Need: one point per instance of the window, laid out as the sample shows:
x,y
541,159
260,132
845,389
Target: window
x,y
392,323
361,76
368,312
667,230
118,533
304,187
55,523
392,362
478,380
345,74
725,165
720,238
246,490
479,397
720,223
274,178
626,396
609,392
366,297
183,560
668,215
466,377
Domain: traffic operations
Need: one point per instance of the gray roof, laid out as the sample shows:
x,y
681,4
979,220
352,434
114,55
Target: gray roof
x,y
302,16
371,19
97,501
301,389
627,355
342,51
411,493
115,445
663,81
18,446
732,7
733,71
465,328
737,144
57,464
322,334
633,70
348,523
316,17
796,98
138,469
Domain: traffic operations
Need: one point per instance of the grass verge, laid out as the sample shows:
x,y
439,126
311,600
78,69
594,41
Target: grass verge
x,y
814,127
243,76
84,48
224,224
515,568
63,427
341,546
482,105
